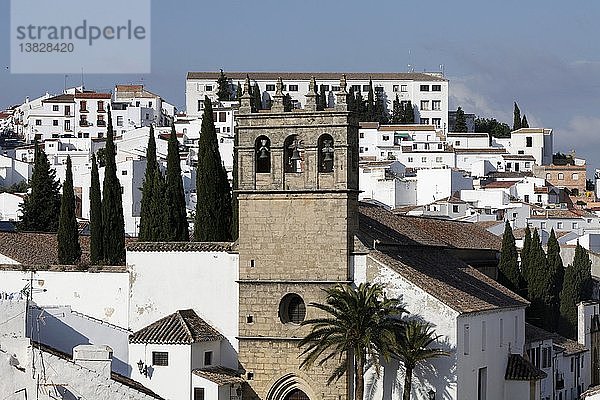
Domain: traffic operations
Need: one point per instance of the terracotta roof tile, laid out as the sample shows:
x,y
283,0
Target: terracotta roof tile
x,y
180,246
219,375
181,327
90,95
521,369
32,248
535,334
63,98
450,280
499,185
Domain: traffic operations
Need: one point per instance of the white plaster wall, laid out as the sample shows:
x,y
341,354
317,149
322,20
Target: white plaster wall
x,y
436,184
102,295
173,382
211,389
10,207
164,282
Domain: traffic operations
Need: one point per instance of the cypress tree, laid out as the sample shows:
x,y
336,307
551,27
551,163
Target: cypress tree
x,y
379,110
396,111
322,99
525,253
238,92
516,118
213,207
556,274
524,123
287,103
177,229
113,225
148,218
234,197
361,107
351,100
509,274
408,113
96,237
69,251
461,123
256,98
577,287
223,87
538,283
41,208
370,110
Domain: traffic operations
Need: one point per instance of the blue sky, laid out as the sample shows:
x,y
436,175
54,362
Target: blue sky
x,y
543,54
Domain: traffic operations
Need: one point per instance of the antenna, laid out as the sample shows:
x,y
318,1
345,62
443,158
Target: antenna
x,y
442,69
410,67
82,85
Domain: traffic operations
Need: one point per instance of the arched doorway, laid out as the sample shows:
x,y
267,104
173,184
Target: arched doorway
x,y
296,394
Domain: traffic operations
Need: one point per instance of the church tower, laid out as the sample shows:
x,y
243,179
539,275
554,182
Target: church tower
x,y
298,199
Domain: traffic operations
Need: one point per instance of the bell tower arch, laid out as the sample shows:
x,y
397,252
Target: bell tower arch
x,y
297,221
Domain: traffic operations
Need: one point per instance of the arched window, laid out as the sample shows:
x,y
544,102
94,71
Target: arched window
x,y
326,153
292,309
292,154
262,149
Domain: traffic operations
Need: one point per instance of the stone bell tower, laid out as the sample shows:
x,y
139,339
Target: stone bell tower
x,y
298,197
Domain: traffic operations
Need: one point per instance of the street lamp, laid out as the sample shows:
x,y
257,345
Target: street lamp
x,y
143,368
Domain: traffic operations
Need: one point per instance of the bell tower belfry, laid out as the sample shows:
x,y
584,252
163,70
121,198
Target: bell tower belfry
x,y
298,199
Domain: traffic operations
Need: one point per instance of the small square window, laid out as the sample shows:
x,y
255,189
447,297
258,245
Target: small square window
x,y
438,159
250,376
559,225
55,122
270,88
160,358
38,122
385,137
124,172
575,176
424,121
325,88
396,88
424,159
293,88
455,208
208,358
250,319
425,105
361,135
365,88
410,159
424,88
55,107
356,88
404,88
436,88
335,88
208,88
561,176
198,393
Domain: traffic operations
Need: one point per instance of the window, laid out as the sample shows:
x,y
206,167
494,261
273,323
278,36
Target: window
x,y
366,88
324,88
424,121
439,146
425,105
543,225
361,150
38,122
208,358
546,357
149,104
100,106
436,88
436,105
222,116
326,153
457,143
83,120
119,120
361,135
137,103
528,141
83,106
539,198
335,88
424,88
160,358
526,198
466,339
527,164
410,159
574,225
437,122
293,88
67,125
575,176
147,116
67,110
292,309
198,393
396,88
439,160
100,121
208,88
124,172
385,137
454,208
55,107
200,105
356,88
483,336
424,159
54,122
516,328
559,225
262,148
250,319
548,175
404,88
561,176
270,87
508,166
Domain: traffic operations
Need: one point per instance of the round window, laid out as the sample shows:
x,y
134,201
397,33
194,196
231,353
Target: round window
x,y
292,309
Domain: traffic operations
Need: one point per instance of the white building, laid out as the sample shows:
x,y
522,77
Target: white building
x,y
385,182
438,183
159,112
10,206
428,92
536,142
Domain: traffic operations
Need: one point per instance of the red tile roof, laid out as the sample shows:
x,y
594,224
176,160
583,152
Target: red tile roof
x,y
410,76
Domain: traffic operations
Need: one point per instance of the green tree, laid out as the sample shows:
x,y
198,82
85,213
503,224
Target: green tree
x,y
322,99
461,123
509,274
213,206
396,111
409,113
238,92
223,92
150,224
176,223
493,127
555,279
577,287
525,253
413,347
351,100
358,323
524,123
69,251
256,98
361,107
96,236
287,103
41,208
113,225
370,107
516,118
380,108
538,283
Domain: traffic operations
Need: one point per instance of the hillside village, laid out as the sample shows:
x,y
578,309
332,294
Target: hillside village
x,y
408,197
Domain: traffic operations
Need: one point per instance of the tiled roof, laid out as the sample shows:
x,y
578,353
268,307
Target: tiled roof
x,y
509,174
92,95
499,185
63,98
408,127
219,375
450,280
377,223
487,150
181,327
32,248
535,334
409,76
525,157
521,369
180,246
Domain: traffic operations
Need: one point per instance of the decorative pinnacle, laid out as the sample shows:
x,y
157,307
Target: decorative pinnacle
x,y
343,84
279,87
312,86
247,85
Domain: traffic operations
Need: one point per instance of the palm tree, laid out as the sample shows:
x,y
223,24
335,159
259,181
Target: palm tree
x,y
359,323
413,341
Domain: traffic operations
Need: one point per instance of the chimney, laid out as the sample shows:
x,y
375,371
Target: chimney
x,y
97,358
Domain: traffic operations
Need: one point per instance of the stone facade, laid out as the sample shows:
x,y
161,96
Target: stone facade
x,y
298,194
